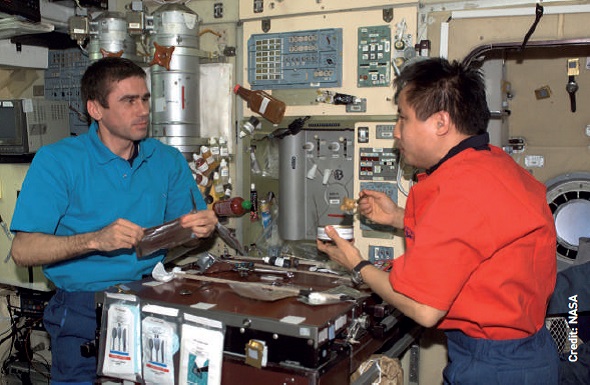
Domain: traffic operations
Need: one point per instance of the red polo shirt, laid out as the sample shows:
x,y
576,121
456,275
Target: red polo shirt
x,y
480,244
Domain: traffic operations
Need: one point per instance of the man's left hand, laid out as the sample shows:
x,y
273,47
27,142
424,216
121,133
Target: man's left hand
x,y
202,223
340,250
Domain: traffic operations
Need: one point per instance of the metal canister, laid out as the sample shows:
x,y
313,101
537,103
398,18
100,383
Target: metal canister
x,y
175,90
345,232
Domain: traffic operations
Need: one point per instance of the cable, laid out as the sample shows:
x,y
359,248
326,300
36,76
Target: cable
x,y
538,15
398,178
209,30
28,353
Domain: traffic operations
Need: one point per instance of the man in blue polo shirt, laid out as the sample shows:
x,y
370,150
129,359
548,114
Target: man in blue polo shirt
x,y
86,201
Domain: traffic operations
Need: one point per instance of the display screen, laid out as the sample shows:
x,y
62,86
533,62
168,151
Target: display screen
x,y
7,124
11,125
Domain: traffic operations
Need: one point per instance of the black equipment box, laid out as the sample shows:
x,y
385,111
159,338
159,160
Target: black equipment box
x,y
306,344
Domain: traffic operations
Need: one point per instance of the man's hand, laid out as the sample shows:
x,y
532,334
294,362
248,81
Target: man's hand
x,y
340,250
34,249
346,254
121,234
379,208
202,223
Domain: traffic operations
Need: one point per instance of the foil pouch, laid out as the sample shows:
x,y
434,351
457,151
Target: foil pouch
x,y
163,237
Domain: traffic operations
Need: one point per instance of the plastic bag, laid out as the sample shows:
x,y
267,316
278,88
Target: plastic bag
x,y
201,351
160,342
120,356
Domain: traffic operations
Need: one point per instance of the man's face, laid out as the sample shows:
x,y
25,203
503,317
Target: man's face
x,y
127,117
415,139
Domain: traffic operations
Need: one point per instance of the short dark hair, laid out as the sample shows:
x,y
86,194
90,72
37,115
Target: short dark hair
x,y
435,84
98,78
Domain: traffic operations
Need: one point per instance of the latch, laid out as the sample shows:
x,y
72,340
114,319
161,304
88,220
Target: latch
x,y
573,70
516,145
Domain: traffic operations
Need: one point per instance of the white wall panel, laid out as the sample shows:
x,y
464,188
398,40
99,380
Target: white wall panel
x,y
379,99
292,8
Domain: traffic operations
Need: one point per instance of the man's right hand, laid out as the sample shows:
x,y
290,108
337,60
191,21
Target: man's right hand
x,y
121,234
35,249
380,208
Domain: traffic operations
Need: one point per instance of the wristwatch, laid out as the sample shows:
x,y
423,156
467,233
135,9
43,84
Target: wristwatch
x,y
355,274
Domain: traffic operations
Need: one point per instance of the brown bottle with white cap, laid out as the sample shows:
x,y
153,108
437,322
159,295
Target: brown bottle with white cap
x,y
262,103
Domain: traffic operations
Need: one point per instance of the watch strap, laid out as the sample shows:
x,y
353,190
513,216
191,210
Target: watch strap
x,y
355,274
360,265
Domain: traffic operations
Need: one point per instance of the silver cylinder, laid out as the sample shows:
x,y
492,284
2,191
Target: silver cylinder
x,y
292,210
109,32
175,90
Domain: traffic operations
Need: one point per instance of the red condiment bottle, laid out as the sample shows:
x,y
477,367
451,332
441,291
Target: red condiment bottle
x,y
234,207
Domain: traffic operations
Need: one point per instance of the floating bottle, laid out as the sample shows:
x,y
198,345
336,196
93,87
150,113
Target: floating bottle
x,y
218,189
201,164
262,103
202,180
248,128
265,215
281,261
227,189
254,165
223,171
212,161
223,149
254,201
207,155
214,147
234,207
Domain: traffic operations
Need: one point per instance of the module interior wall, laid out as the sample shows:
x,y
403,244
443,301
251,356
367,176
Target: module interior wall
x,y
548,126
290,8
379,99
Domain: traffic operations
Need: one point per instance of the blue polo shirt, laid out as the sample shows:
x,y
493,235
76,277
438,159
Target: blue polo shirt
x,y
78,185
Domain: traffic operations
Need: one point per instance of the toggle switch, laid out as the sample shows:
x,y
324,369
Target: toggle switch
x,y
334,146
312,171
309,146
327,173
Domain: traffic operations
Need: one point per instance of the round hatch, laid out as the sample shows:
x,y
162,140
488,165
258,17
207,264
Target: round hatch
x,y
568,196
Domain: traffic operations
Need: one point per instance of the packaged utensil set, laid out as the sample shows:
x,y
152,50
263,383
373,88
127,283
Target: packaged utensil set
x,y
143,342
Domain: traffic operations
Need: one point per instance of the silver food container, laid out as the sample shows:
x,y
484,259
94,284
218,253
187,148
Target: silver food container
x,y
345,232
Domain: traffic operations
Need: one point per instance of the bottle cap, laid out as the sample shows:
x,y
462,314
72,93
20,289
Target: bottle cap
x,y
236,88
223,163
215,175
204,149
222,140
212,141
246,205
252,186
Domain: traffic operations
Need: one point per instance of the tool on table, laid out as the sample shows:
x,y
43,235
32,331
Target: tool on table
x,y
225,234
268,292
229,238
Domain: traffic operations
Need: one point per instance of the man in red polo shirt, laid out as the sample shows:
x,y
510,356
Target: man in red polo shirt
x,y
480,239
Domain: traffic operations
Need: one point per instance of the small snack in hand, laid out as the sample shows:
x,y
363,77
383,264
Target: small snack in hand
x,y
348,204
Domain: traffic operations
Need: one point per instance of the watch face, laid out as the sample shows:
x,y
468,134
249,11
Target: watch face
x,y
356,277
355,274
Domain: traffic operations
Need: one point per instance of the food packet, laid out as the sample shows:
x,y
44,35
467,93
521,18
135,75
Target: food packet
x,y
164,236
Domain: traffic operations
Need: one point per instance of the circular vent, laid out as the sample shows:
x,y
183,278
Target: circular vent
x,y
568,196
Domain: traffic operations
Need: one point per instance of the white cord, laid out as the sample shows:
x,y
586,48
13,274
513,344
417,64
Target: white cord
x,y
398,178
